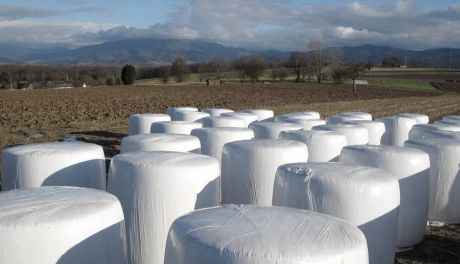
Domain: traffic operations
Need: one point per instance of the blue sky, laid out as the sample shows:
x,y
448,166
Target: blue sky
x,y
279,24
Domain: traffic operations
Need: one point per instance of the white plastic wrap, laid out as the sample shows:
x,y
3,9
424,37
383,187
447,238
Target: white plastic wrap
x,y
246,117
356,135
298,115
450,118
306,124
223,121
411,167
444,177
375,129
447,126
175,127
213,139
397,129
249,168
271,130
53,164
358,115
364,196
141,123
418,131
419,118
216,112
155,188
161,142
190,116
441,134
323,146
248,234
262,114
61,225
171,111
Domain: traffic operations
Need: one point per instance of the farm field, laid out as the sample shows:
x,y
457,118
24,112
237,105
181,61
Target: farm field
x,y
99,115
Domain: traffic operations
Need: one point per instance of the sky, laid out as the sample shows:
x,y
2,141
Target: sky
x,y
257,24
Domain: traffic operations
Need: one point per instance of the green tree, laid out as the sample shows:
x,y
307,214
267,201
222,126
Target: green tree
x,y
118,81
128,74
109,82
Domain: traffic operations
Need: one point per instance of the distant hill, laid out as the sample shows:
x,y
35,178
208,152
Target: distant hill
x,y
162,51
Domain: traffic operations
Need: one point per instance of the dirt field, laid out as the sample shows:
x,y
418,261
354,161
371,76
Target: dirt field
x,y
99,115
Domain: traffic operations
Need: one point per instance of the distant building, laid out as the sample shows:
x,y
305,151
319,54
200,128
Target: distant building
x,y
24,85
58,84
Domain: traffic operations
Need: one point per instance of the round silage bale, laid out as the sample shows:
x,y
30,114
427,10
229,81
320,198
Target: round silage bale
x,y
247,118
54,164
441,134
307,124
447,126
397,129
444,177
61,225
358,115
375,129
190,116
411,167
418,131
175,127
451,118
272,130
356,135
141,123
298,115
161,142
171,111
213,139
249,168
366,197
323,146
420,119
216,112
236,234
222,121
155,188
262,114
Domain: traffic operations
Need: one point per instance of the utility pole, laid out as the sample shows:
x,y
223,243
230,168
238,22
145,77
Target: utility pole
x,y
450,59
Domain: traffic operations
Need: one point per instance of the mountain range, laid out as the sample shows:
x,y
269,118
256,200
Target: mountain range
x,y
163,51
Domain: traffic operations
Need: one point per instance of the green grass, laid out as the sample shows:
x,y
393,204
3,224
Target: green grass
x,y
417,85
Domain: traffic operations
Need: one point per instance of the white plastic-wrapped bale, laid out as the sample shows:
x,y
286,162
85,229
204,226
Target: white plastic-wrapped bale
x,y
419,118
356,134
61,225
272,130
171,111
190,116
307,124
161,142
246,117
441,134
262,114
411,167
155,188
323,146
141,123
444,177
447,126
213,139
216,112
175,127
375,129
222,121
358,115
249,168
418,131
54,164
397,129
451,118
366,197
298,115
243,234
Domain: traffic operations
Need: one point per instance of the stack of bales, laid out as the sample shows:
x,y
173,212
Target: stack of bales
x,y
385,193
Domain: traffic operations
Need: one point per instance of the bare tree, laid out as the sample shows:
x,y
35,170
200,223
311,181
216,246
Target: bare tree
x,y
218,66
254,67
298,62
239,65
322,56
164,73
354,70
180,69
